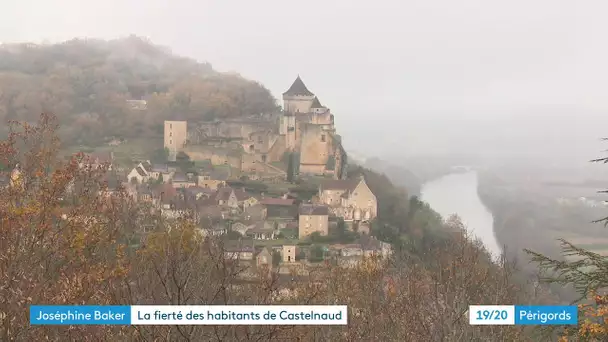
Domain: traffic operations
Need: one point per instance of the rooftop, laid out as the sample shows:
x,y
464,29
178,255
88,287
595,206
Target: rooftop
x,y
316,103
160,168
340,184
298,88
311,209
277,201
140,171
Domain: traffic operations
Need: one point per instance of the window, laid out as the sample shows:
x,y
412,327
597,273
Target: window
x,y
251,147
170,142
323,138
263,158
170,126
170,134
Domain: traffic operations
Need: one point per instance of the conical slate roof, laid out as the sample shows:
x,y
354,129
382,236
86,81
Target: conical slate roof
x,y
298,88
316,103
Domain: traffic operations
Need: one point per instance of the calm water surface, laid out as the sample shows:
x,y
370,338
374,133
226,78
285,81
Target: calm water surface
x,y
457,194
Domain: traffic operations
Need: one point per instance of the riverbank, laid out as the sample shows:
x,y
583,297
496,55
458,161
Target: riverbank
x,y
456,193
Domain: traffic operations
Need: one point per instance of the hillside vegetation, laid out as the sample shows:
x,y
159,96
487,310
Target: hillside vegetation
x,y
421,297
87,84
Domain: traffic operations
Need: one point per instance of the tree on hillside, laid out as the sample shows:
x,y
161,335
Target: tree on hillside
x,y
587,272
183,161
91,256
290,169
49,252
89,83
160,156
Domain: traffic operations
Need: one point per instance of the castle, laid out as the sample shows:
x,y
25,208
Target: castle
x,y
260,144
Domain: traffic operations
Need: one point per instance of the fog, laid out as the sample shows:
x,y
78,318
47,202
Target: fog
x,y
492,78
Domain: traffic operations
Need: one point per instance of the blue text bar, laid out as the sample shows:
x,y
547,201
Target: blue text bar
x,y
546,315
80,314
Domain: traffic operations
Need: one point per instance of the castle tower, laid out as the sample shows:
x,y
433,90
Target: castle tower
x,y
289,253
297,99
316,148
287,128
176,134
320,115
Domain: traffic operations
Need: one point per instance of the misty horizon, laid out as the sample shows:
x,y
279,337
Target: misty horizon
x,y
523,78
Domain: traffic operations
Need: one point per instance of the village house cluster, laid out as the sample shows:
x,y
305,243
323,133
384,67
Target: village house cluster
x,y
261,227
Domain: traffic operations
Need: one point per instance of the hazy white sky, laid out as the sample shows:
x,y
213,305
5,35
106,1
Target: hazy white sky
x,y
436,69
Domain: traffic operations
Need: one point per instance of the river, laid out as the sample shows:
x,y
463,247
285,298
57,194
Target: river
x,y
457,194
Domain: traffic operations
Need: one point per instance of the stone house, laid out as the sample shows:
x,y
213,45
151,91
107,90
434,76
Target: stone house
x,y
351,250
249,202
239,253
212,211
98,159
313,218
240,228
349,261
141,172
256,212
289,253
214,179
280,207
161,170
196,193
351,199
213,228
230,197
262,231
264,257
181,180
177,208
371,246
144,194
138,174
146,166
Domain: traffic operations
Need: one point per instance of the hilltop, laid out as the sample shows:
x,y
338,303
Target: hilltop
x,y
121,88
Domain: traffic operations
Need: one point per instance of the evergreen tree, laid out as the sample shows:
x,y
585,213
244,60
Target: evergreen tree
x,y
587,273
290,169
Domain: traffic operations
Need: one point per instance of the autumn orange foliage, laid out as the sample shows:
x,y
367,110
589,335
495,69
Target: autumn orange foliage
x,y
61,242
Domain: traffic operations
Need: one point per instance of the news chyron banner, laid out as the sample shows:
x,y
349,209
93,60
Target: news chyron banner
x,y
523,315
189,315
